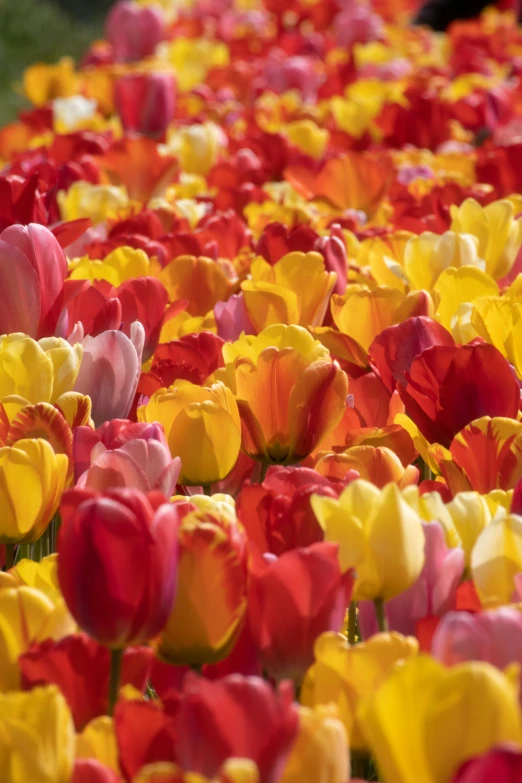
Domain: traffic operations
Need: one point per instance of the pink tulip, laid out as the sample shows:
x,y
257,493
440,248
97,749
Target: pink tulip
x,y
146,102
135,32
432,595
139,464
292,73
494,636
232,318
357,25
499,765
33,269
110,371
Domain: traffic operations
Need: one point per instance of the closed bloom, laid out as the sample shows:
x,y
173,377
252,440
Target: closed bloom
x,y
202,427
446,716
134,31
117,556
378,534
343,675
236,717
426,256
294,290
292,600
320,753
36,737
30,464
496,560
289,391
211,600
146,102
502,765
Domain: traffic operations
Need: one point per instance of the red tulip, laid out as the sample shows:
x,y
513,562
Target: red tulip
x,y
117,562
447,387
145,733
291,601
499,765
191,358
33,268
91,771
277,514
135,31
79,666
146,102
236,717
394,349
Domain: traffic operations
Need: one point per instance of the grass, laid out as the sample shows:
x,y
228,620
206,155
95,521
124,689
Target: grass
x,y
36,31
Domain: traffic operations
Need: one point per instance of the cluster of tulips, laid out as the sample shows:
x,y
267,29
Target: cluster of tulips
x,y
260,411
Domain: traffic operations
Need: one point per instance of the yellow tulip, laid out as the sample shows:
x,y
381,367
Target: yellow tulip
x,y
456,287
343,674
27,616
425,720
430,507
197,147
426,256
362,313
307,136
470,514
385,257
379,534
320,753
202,427
499,234
98,202
32,465
496,559
98,741
124,263
295,290
36,737
43,576
66,360
43,83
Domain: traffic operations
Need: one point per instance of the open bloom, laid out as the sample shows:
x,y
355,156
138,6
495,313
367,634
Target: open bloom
x,y
119,596
289,391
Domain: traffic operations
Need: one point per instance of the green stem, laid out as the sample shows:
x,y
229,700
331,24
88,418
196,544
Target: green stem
x,y
9,556
352,621
114,682
264,468
382,622
207,489
425,471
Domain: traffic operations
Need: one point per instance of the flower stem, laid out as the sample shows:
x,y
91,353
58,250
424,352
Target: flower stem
x,y
264,468
207,489
114,682
352,621
382,622
9,556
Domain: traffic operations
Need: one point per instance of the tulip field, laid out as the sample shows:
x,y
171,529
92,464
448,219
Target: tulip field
x,y
260,399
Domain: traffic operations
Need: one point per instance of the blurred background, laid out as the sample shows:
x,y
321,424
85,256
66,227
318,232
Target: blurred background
x,y
42,30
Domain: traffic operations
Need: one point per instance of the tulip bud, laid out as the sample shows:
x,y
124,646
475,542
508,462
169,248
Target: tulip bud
x,y
496,560
135,31
146,102
117,564
320,753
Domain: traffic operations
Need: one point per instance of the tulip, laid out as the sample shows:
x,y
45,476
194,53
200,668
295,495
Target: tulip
x,y
197,147
376,464
277,293
432,595
135,31
146,102
426,256
201,281
27,616
43,83
33,269
36,737
285,364
64,663
110,372
378,534
496,559
233,771
460,287
232,318
344,675
436,393
115,602
320,753
502,765
499,234
438,708
211,601
277,514
98,741
194,415
91,771
292,600
254,723
194,357
33,465
144,733
470,514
